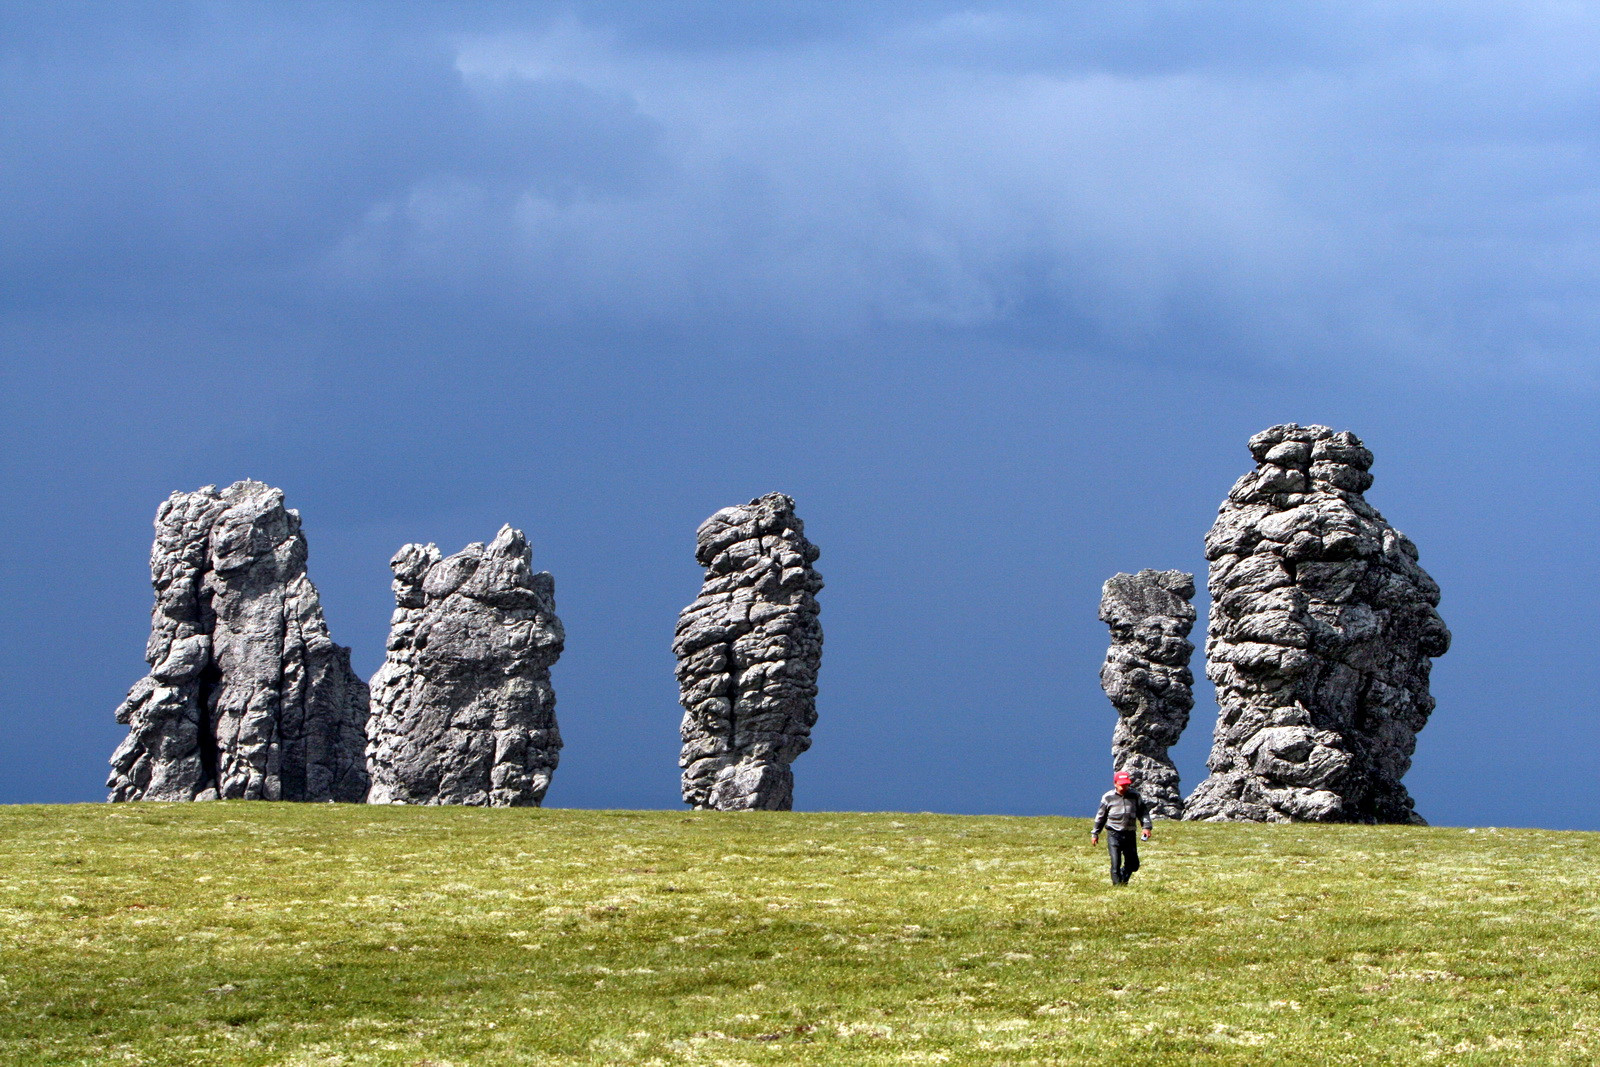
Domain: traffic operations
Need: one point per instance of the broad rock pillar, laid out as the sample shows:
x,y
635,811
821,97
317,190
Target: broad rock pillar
x,y
463,711
247,696
1322,631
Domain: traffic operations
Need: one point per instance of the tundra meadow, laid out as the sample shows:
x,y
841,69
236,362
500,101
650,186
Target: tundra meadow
x,y
256,933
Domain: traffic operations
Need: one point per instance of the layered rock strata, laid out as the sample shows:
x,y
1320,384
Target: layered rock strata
x,y
1146,675
748,651
247,696
463,711
1321,634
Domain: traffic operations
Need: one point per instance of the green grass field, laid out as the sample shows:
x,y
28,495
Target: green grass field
x,y
253,933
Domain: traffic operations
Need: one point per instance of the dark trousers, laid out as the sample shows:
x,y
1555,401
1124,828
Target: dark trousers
x,y
1124,846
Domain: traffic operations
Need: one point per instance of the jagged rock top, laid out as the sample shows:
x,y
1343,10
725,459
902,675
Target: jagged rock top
x,y
1311,475
499,574
1150,603
734,537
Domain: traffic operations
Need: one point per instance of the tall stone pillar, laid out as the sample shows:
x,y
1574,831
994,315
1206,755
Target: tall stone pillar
x,y
748,651
1146,675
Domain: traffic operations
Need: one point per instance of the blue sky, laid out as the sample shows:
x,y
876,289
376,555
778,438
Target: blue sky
x,y
997,291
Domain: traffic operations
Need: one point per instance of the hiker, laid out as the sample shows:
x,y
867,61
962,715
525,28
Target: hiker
x,y
1120,810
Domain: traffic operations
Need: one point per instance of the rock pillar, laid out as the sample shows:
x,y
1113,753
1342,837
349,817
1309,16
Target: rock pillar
x,y
1146,675
1321,634
247,696
463,711
748,651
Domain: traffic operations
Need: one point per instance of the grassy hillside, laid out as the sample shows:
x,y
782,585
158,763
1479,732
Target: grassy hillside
x,y
257,933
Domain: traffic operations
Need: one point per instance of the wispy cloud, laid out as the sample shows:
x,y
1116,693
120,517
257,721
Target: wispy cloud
x,y
1339,206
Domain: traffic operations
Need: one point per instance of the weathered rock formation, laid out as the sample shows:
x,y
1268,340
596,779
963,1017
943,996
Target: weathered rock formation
x,y
462,710
748,651
1146,675
1322,628
247,696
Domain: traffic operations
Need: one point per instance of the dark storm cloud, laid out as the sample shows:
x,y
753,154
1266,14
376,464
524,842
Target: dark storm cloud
x,y
226,153
1291,182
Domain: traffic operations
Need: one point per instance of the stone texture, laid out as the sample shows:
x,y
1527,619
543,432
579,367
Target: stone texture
x,y
247,696
463,711
1146,675
748,651
1322,629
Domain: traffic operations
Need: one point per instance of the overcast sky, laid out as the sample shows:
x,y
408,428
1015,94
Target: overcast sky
x,y
997,291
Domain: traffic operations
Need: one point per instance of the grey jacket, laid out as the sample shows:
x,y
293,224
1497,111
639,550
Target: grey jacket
x,y
1122,812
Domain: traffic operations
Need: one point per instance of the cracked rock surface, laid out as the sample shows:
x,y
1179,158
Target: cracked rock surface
x,y
247,696
463,711
1146,675
748,651
1322,631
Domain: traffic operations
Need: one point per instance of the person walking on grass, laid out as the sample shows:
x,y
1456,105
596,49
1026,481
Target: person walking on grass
x,y
1121,810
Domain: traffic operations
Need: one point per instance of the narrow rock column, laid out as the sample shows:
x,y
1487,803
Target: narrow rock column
x,y
1146,675
247,696
748,652
1321,634
463,711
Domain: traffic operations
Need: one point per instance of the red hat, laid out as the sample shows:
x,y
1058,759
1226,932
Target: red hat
x,y
1122,776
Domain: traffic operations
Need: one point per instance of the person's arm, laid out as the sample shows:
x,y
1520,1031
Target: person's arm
x,y
1099,821
1144,816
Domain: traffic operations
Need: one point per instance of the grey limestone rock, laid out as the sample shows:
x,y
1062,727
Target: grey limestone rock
x,y
1321,634
1146,675
463,711
247,696
748,651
